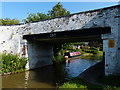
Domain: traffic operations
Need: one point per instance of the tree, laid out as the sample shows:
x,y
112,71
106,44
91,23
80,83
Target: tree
x,y
96,44
8,21
35,17
56,11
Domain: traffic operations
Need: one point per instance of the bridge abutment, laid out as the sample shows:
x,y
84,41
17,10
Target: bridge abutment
x,y
39,54
112,52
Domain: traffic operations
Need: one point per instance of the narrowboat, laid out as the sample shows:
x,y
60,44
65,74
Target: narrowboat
x,y
72,54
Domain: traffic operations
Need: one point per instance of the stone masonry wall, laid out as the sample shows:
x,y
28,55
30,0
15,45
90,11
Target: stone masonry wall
x,y
40,54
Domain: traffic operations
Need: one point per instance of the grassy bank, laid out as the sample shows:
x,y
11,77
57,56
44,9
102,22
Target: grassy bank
x,y
74,83
87,52
12,63
79,83
91,56
82,84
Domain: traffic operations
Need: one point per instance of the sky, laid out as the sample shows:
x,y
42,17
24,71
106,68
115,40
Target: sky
x,y
20,10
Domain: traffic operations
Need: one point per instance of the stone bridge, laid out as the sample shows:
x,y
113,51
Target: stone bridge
x,y
95,25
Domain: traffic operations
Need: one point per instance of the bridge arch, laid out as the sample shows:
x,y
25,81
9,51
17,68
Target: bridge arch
x,y
40,46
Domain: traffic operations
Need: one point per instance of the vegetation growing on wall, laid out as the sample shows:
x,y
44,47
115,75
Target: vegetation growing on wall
x,y
13,63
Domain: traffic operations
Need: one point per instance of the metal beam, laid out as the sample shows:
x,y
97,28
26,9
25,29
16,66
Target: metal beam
x,y
71,35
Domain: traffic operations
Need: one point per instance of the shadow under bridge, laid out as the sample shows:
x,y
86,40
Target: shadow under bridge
x,y
79,35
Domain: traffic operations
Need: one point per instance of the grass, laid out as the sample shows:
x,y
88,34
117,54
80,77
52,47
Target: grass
x,y
111,82
82,84
74,83
90,56
79,83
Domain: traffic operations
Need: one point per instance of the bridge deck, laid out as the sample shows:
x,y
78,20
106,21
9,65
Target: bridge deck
x,y
91,34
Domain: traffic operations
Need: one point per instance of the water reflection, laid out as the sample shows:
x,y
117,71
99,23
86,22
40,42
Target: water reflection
x,y
26,78
47,77
75,67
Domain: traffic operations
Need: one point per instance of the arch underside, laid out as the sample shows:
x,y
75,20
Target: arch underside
x,y
80,35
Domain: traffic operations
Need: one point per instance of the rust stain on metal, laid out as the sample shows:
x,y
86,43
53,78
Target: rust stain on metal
x,y
111,43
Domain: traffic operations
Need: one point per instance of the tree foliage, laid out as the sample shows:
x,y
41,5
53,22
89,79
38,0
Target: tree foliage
x,y
97,44
35,17
56,11
8,21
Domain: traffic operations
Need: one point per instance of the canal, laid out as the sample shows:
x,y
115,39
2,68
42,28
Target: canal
x,y
48,76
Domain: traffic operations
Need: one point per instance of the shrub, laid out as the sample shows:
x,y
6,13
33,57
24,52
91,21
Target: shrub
x,y
92,50
58,59
13,63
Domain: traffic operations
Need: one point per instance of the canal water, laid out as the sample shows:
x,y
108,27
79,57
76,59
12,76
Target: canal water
x,y
47,77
